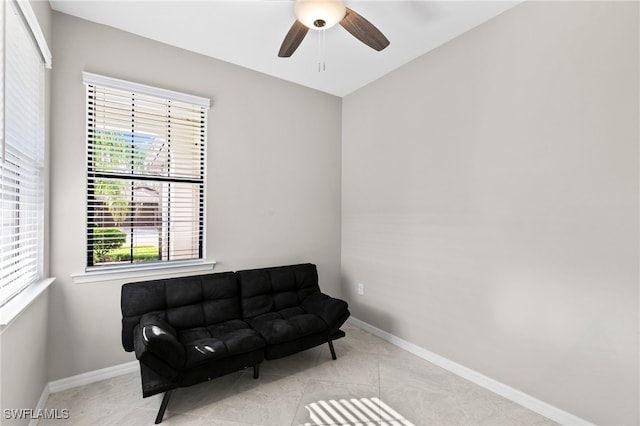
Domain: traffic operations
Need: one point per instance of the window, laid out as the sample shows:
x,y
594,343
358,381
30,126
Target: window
x,y
145,174
21,149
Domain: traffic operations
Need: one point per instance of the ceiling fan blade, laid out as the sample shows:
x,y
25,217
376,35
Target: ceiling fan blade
x,y
293,39
364,30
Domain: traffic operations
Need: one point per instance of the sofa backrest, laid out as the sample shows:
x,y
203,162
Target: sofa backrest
x,y
273,289
187,302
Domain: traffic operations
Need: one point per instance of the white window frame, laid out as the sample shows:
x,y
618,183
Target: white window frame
x,y
136,270
19,295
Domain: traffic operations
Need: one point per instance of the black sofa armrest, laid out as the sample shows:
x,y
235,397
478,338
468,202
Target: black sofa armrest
x,y
155,335
332,311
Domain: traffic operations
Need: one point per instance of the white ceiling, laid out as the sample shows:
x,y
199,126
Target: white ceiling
x,y
249,33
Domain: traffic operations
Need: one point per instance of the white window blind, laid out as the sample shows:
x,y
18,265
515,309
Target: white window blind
x,y
21,153
145,174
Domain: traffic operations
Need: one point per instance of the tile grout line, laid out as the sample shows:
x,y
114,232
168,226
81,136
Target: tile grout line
x,y
304,392
379,385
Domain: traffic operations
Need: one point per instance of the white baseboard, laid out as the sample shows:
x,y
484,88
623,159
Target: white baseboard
x,y
499,388
82,379
42,403
92,376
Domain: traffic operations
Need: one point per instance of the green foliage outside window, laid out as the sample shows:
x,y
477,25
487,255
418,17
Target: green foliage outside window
x,y
112,153
141,253
105,240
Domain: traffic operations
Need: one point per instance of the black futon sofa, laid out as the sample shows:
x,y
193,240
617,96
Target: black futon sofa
x,y
191,329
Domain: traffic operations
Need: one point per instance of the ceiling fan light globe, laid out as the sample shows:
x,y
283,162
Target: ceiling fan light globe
x,y
319,14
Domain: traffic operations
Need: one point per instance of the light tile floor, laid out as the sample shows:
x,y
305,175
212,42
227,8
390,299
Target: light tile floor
x,y
367,367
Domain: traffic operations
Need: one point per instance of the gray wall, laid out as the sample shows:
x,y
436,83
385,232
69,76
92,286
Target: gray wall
x,y
490,204
23,373
23,363
273,194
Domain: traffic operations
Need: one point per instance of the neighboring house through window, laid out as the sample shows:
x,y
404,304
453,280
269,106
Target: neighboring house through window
x,y
145,174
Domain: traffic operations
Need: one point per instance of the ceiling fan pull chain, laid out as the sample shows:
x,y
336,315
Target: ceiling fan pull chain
x,y
321,51
324,50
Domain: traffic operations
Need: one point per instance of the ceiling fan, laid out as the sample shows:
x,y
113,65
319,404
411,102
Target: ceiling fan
x,y
324,14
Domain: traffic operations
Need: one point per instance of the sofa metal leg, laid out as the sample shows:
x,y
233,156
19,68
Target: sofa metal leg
x,y
256,371
333,351
163,406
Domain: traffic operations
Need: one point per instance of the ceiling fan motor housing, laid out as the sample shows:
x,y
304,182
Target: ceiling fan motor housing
x,y
319,14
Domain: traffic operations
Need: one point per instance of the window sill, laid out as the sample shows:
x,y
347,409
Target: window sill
x,y
21,302
141,271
